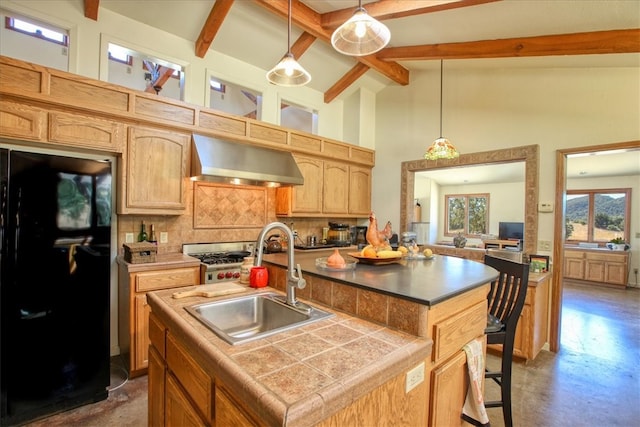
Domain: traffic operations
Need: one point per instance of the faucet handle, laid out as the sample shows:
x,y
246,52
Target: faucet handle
x,y
302,283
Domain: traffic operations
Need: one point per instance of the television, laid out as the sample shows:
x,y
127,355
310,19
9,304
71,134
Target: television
x,y
511,231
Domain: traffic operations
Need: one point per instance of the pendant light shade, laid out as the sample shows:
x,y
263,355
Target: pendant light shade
x,y
288,72
441,148
361,35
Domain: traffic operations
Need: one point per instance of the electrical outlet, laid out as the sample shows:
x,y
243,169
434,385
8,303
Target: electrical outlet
x,y
128,238
164,237
414,377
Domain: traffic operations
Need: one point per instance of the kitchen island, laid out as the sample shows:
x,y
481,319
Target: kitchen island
x,y
392,354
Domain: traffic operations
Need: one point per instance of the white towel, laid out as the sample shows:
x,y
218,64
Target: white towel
x,y
474,402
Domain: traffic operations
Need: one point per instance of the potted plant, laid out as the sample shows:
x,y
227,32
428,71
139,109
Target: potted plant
x,y
617,244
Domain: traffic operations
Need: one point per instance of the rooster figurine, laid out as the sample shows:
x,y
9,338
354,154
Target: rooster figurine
x,y
379,239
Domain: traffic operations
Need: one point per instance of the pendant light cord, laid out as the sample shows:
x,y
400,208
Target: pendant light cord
x,y
441,98
289,30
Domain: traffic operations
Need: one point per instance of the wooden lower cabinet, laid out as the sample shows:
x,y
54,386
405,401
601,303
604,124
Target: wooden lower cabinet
x,y
532,329
597,266
451,325
449,383
182,393
133,309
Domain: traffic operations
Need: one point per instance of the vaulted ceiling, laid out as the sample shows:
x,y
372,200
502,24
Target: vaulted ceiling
x,y
465,33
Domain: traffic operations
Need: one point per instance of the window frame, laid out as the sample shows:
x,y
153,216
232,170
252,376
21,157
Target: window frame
x,y
591,192
9,23
466,197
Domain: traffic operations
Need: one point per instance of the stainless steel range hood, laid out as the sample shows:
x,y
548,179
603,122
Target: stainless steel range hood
x,y
217,160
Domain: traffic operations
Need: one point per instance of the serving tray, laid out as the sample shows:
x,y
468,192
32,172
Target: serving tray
x,y
374,261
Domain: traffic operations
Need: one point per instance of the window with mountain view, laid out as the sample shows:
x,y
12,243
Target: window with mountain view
x,y
598,215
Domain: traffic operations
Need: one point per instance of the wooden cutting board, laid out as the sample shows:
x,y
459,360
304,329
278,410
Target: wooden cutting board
x,y
211,290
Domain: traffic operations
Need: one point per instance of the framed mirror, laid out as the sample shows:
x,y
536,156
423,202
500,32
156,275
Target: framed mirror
x,y
528,154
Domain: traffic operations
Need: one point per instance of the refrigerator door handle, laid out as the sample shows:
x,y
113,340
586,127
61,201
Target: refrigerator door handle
x,y
17,236
28,315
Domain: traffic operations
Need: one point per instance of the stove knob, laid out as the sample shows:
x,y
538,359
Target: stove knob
x,y
236,275
220,276
229,275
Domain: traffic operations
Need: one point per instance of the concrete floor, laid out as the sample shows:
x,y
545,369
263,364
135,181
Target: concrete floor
x,y
593,381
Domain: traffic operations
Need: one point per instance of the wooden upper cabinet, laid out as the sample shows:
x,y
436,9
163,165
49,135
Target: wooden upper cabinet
x,y
153,172
335,191
331,188
302,199
22,121
86,132
359,190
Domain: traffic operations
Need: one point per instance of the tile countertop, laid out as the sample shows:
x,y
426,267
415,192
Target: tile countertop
x,y
297,377
163,261
427,282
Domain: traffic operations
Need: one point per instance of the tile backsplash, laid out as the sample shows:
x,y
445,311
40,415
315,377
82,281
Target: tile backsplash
x,y
217,218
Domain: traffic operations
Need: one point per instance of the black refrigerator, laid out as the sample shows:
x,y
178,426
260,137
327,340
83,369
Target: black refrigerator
x,y
54,284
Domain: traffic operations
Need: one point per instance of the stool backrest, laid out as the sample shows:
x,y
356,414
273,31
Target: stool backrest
x,y
508,291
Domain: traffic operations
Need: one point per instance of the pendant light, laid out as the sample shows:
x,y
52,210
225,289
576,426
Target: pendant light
x,y
360,35
441,148
288,72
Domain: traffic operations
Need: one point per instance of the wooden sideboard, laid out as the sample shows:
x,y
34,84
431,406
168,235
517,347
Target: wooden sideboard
x,y
601,266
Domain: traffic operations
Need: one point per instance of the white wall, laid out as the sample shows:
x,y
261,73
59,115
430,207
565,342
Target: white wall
x,y
487,109
632,182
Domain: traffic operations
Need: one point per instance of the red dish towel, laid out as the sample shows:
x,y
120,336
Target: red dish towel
x,y
473,410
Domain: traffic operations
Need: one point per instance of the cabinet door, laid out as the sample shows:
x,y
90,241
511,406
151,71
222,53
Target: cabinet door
x,y
615,273
335,192
178,409
22,121
359,190
228,412
307,198
85,131
157,383
153,172
141,336
449,383
574,268
594,270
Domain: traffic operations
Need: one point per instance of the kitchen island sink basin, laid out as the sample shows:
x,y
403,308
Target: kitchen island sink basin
x,y
248,318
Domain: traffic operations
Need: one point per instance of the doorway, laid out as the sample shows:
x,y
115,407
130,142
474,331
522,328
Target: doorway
x,y
559,229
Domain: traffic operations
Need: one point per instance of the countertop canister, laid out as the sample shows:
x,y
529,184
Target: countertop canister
x,y
245,269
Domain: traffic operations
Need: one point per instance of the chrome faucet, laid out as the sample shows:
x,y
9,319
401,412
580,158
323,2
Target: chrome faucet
x,y
294,278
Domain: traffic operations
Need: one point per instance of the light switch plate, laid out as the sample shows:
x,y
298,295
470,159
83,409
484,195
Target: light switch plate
x,y
128,238
164,237
545,207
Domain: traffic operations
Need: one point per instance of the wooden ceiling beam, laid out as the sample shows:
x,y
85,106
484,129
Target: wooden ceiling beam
x,y
301,45
214,21
391,9
91,9
310,21
597,42
345,81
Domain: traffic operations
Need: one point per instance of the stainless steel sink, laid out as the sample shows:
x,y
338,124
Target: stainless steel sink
x,y
248,318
